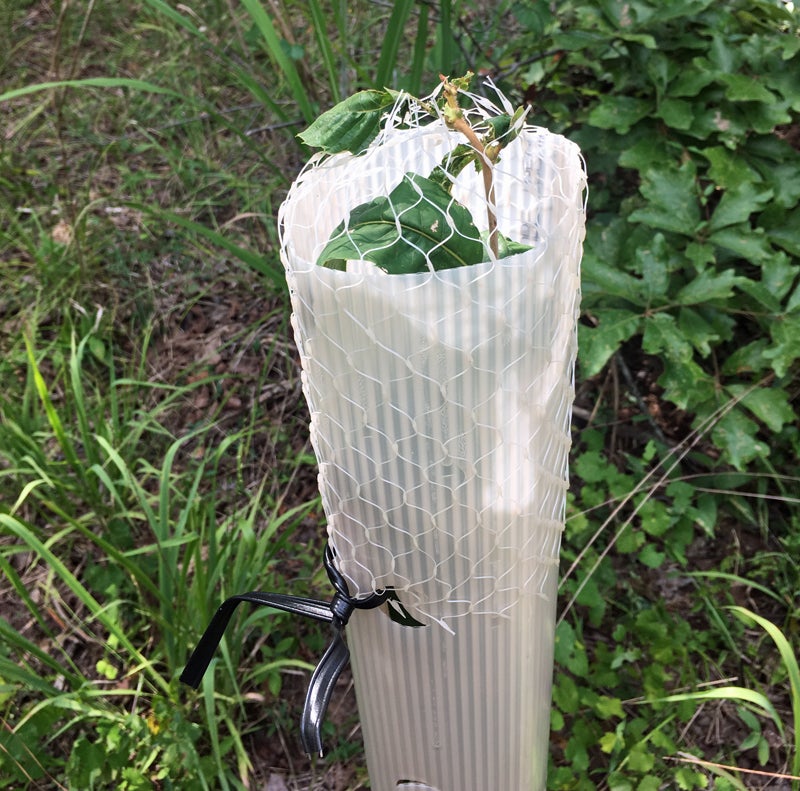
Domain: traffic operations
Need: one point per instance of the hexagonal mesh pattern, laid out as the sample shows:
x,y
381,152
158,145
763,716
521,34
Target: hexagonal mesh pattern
x,y
440,402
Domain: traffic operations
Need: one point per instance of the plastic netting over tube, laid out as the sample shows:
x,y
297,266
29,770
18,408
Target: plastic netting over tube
x,y
440,416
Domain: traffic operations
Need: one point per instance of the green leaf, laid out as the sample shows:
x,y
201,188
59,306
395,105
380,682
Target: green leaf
x,y
789,660
506,246
701,333
453,163
778,275
534,17
597,344
769,404
696,76
387,62
708,286
699,254
737,204
744,241
619,113
728,170
648,152
651,557
608,741
671,196
655,517
741,88
784,179
764,118
655,265
605,278
662,337
350,125
747,359
566,695
782,227
608,707
736,434
761,293
640,760
685,383
676,113
743,694
786,337
259,263
418,224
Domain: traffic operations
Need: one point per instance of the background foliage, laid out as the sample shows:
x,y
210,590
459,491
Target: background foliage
x,y
152,438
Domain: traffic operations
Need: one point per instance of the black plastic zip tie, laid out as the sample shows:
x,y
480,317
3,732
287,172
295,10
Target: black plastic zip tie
x,y
323,681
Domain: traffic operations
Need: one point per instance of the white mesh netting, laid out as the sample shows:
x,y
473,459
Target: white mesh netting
x,y
440,401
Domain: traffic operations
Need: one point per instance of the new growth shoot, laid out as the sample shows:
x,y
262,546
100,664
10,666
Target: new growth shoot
x,y
419,225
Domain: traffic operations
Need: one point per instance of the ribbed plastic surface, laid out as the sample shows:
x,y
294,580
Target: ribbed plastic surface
x,y
440,410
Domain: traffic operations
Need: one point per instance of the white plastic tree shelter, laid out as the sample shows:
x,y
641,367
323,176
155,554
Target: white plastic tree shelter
x,y
440,416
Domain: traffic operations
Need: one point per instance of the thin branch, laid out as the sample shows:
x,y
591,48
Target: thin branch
x,y
454,117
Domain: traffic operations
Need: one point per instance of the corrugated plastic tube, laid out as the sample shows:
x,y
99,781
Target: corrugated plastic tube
x,y
440,416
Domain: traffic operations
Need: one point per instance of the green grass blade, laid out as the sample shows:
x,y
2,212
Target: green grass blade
x,y
420,52
213,729
11,637
445,36
242,74
123,560
790,663
90,82
320,22
276,52
79,397
129,480
29,487
24,534
261,93
743,694
182,21
387,61
254,260
735,578
65,443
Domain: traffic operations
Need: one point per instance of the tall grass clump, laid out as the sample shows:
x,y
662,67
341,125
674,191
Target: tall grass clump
x,y
117,550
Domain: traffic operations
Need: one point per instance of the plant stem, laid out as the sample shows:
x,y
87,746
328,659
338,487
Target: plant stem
x,y
454,117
